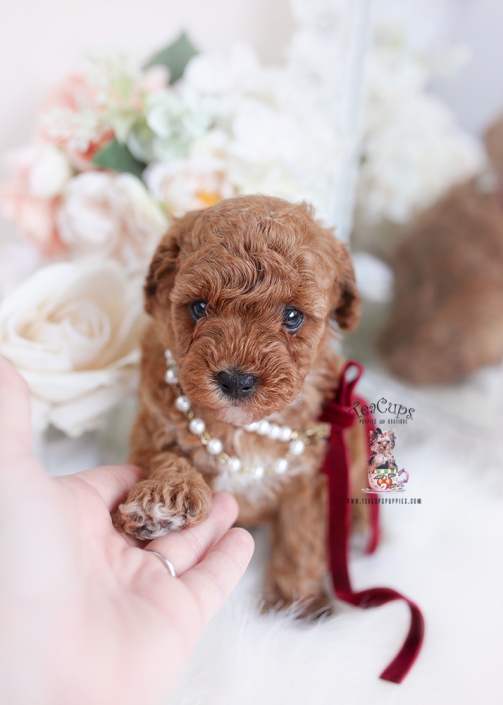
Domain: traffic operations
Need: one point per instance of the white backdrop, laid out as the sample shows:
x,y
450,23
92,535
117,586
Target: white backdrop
x,y
40,40
476,92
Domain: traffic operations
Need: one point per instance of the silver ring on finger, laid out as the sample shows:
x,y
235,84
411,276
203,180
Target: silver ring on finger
x,y
167,563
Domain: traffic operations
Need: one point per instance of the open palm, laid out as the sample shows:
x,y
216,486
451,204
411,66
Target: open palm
x,y
90,616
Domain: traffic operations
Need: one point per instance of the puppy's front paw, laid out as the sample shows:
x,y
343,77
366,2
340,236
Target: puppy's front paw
x,y
309,608
156,507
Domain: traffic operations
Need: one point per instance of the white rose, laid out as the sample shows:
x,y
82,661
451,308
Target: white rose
x,y
189,184
111,215
72,330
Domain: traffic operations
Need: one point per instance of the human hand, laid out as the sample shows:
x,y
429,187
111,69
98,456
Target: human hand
x,y
88,617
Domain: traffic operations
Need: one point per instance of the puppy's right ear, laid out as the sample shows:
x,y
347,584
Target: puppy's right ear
x,y
346,309
162,272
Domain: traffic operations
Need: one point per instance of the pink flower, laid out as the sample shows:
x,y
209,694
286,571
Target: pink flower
x,y
31,198
34,217
72,118
83,161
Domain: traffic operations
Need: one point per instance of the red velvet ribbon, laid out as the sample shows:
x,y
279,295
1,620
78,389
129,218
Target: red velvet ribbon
x,y
340,415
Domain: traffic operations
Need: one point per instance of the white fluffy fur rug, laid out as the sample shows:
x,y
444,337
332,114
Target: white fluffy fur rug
x,y
445,554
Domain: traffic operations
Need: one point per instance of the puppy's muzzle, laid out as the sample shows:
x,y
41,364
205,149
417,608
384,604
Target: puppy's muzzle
x,y
236,384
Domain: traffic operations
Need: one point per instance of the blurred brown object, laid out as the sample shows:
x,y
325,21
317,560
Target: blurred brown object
x,y
447,316
494,145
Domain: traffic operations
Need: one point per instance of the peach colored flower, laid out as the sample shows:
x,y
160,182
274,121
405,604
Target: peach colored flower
x,y
34,217
83,161
101,101
189,184
31,199
73,118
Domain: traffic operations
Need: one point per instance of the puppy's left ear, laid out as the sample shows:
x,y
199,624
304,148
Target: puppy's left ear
x,y
162,271
346,297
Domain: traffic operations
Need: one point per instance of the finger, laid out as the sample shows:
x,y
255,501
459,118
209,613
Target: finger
x,y
187,547
112,482
213,579
15,413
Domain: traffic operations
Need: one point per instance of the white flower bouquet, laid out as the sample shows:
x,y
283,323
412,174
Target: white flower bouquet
x,y
413,149
121,149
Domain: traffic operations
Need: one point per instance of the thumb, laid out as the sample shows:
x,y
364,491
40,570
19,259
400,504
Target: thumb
x,y
15,413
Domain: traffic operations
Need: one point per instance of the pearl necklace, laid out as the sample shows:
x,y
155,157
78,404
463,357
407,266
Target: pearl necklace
x,y
297,440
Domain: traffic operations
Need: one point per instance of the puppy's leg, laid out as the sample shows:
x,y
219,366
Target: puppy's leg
x,y
298,563
173,496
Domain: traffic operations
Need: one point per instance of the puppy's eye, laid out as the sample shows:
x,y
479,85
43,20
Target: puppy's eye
x,y
198,309
292,318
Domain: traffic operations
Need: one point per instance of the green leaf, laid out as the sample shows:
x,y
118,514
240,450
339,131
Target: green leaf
x,y
117,157
175,57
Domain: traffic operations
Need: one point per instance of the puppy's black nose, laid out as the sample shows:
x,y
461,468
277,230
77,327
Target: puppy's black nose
x,y
236,384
